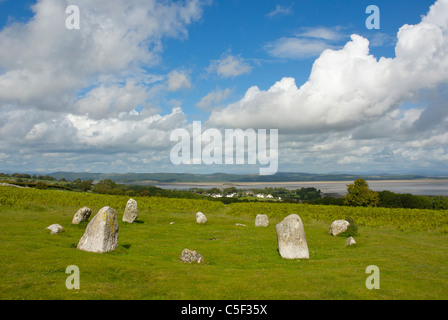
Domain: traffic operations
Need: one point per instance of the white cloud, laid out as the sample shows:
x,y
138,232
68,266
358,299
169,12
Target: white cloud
x,y
149,132
324,33
349,115
229,66
3,156
78,133
349,87
44,63
214,98
109,102
280,11
310,42
87,95
296,48
178,80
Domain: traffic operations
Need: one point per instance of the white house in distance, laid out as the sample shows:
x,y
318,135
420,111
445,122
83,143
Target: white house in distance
x,y
262,196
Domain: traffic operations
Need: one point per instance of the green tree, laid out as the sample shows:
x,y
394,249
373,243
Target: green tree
x,y
390,200
360,195
104,187
78,184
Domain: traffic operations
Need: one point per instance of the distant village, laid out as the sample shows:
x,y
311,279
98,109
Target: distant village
x,y
248,193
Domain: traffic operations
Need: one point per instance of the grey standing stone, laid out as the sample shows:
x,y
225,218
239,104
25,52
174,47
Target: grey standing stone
x,y
101,233
55,228
201,218
190,256
338,227
131,211
82,215
291,238
350,241
261,220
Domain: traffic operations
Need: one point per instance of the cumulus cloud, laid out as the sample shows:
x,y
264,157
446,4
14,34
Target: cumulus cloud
x,y
109,102
67,96
125,134
391,109
44,63
178,80
81,133
349,87
229,66
214,98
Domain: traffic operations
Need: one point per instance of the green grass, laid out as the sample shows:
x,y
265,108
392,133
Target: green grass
x,y
240,262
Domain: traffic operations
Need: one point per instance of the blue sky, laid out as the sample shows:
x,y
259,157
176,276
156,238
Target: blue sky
x,y
106,97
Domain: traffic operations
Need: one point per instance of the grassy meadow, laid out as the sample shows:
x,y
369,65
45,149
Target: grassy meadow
x,y
410,247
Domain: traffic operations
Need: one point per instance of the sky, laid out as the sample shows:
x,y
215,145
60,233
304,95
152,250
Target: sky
x,y
105,95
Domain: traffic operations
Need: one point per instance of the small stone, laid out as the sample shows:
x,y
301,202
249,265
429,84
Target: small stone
x,y
350,241
190,256
338,227
200,218
82,215
55,228
131,211
240,224
171,223
261,220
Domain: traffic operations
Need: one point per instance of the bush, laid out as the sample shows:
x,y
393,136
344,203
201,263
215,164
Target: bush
x,y
352,229
145,193
41,185
116,192
130,193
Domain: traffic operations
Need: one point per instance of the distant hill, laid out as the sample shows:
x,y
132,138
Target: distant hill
x,y
223,177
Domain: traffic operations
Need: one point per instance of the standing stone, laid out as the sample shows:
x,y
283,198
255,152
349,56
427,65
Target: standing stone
x,y
261,220
101,233
291,238
131,211
338,227
201,218
350,241
55,228
190,256
82,215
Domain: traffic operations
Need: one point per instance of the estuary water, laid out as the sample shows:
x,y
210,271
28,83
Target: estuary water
x,y
425,187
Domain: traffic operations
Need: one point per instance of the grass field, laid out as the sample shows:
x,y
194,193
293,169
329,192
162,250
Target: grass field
x,y
240,262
